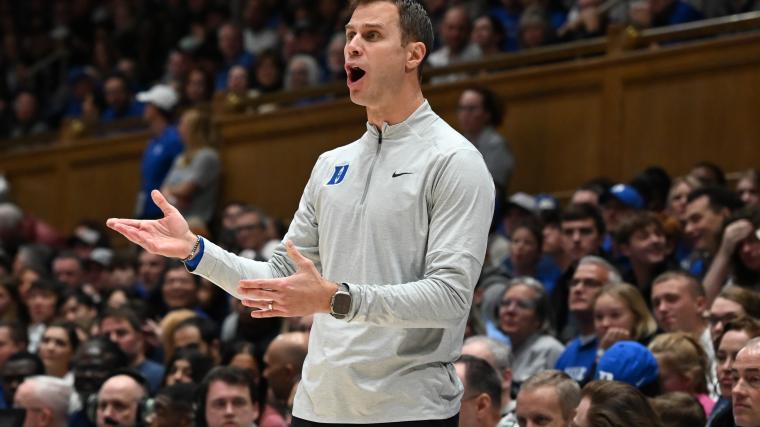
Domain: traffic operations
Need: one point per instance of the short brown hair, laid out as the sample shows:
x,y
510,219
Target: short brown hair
x,y
635,222
679,409
415,24
568,391
616,404
695,287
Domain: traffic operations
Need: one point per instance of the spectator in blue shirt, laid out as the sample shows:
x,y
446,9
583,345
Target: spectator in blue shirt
x,y
231,47
162,149
119,101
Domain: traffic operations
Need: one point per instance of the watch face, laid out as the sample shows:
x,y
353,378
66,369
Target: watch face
x,y
341,303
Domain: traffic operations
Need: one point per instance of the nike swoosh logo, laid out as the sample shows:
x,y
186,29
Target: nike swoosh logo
x,y
395,174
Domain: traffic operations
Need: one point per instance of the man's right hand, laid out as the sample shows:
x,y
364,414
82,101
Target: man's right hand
x,y
169,236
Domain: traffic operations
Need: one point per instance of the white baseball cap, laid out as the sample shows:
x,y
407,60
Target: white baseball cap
x,y
162,96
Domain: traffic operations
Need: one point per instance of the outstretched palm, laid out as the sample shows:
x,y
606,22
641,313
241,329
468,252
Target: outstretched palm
x,y
169,236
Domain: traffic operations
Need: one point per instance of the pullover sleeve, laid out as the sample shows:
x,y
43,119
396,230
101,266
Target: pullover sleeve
x,y
461,210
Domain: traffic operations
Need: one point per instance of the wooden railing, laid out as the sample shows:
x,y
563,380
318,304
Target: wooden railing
x,y
607,108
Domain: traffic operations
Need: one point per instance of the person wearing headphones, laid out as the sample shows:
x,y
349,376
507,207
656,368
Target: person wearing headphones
x,y
120,400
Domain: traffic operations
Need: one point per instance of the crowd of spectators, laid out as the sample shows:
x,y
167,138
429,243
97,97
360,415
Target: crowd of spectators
x,y
83,61
652,283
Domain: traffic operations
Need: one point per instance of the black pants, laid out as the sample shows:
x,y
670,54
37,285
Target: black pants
x,y
451,422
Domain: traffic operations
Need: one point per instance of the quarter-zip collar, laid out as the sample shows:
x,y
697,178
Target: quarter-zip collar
x,y
418,122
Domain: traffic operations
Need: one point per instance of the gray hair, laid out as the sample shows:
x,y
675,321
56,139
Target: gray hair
x,y
312,69
543,306
10,216
613,275
568,391
500,352
56,394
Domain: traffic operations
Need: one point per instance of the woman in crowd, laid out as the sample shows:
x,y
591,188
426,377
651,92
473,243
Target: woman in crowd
x,y
732,302
679,192
198,88
620,313
42,303
683,366
192,183
57,349
524,318
187,366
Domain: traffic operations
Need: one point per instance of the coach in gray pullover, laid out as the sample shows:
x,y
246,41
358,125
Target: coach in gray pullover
x,y
400,217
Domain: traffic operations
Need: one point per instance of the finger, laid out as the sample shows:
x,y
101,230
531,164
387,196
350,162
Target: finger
x,y
259,304
272,284
301,261
161,202
259,294
112,222
264,314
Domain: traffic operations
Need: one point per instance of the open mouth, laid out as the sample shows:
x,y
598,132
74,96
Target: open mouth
x,y
355,74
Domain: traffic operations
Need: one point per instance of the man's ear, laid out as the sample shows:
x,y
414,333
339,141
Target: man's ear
x,y
415,54
483,403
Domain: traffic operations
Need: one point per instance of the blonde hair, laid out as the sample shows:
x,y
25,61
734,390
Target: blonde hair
x,y
645,325
201,132
684,355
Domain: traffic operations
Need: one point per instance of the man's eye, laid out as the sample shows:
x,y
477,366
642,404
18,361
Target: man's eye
x,y
372,36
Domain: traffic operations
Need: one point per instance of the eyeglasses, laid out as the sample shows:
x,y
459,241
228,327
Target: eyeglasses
x,y
523,304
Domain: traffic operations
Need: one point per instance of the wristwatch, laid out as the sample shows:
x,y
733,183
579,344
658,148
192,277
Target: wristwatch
x,y
340,303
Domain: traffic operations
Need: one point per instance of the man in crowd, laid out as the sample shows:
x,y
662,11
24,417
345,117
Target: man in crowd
x,y
481,404
69,270
180,287
121,400
455,32
579,357
706,210
746,392
251,233
547,399
641,239
227,398
199,333
45,400
119,101
124,327
284,361
499,356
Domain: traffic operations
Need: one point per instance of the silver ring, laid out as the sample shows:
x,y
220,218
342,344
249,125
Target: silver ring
x,y
270,306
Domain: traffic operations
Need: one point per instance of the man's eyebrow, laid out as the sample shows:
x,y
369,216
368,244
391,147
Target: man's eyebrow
x,y
350,26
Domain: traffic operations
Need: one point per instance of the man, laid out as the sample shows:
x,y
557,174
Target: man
x,y
746,392
17,368
679,303
199,333
499,356
284,361
162,149
547,399
150,271
479,114
69,270
45,400
455,32
124,327
180,287
377,353
119,101
251,233
641,239
226,398
120,400
482,393
706,210
95,359
579,357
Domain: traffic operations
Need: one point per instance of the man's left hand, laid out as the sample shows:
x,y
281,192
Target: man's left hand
x,y
303,293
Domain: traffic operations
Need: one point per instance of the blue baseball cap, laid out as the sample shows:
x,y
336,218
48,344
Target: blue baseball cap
x,y
628,362
626,194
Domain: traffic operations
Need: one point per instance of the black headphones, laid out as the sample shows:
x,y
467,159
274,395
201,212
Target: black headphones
x,y
144,405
